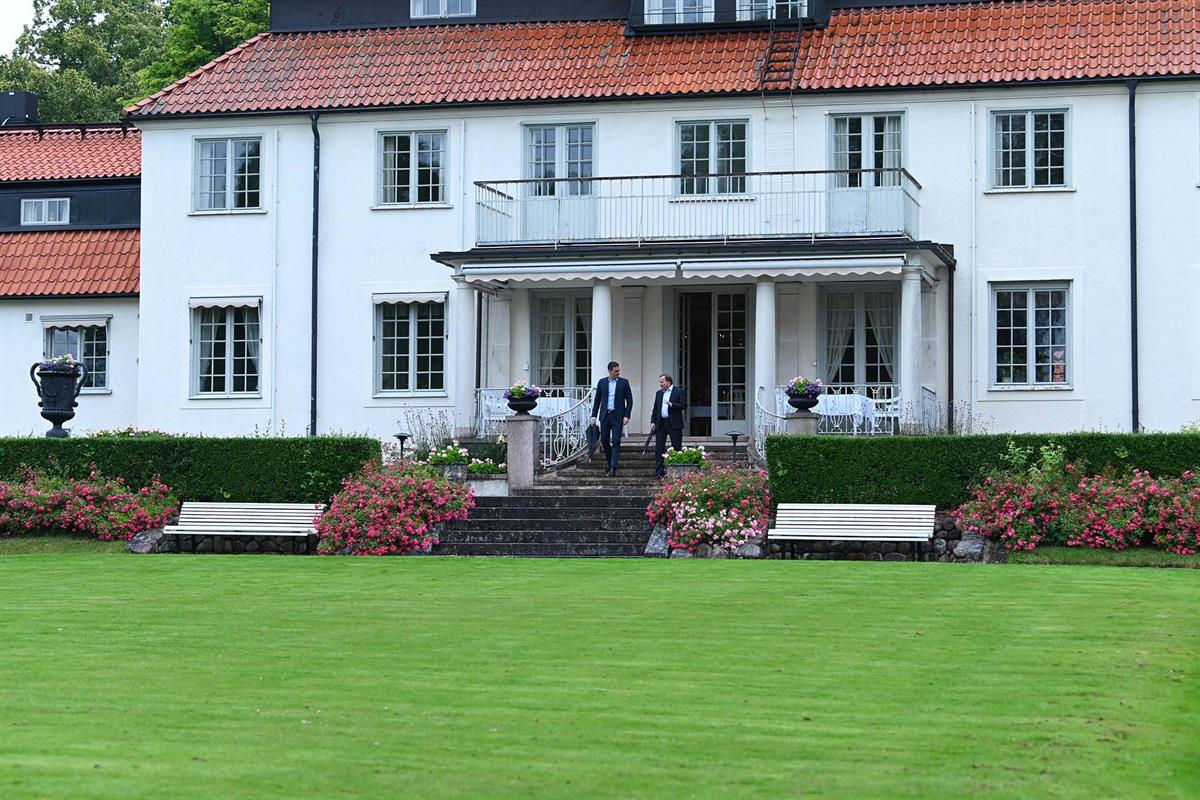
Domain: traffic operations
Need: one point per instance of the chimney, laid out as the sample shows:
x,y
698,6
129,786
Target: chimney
x,y
18,108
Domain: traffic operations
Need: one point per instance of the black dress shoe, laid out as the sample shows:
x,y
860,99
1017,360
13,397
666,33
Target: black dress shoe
x,y
609,474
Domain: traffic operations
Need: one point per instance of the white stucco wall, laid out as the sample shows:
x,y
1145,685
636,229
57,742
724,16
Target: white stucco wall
x,y
1077,235
22,341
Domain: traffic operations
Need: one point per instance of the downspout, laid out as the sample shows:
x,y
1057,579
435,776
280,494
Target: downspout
x,y
275,289
973,375
1133,253
316,239
950,346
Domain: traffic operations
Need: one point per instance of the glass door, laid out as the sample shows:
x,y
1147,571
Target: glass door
x,y
730,357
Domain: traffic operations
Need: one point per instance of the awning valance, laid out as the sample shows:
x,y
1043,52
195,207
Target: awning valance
x,y
639,270
848,267
225,302
409,297
76,321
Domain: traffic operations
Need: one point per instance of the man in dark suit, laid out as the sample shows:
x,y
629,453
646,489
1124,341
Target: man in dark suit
x,y
613,407
666,419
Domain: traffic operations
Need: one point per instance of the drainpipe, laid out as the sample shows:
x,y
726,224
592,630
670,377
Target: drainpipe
x,y
1133,264
316,238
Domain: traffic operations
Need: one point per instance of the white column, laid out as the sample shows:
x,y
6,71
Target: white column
x,y
910,346
601,327
632,361
520,316
764,342
463,337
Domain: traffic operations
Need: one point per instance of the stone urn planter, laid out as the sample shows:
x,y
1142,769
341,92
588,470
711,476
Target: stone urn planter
x,y
58,387
455,472
522,405
802,402
677,471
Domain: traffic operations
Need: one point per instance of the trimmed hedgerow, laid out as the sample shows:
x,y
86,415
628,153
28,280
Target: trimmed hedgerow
x,y
246,470
941,469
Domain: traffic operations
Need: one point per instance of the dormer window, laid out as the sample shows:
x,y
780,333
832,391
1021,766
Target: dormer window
x,y
435,9
753,10
43,211
679,12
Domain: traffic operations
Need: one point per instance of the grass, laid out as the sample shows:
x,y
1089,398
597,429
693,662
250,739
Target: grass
x,y
176,676
1135,557
56,545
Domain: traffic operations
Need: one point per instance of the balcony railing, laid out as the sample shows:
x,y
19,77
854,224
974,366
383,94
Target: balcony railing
x,y
692,12
753,205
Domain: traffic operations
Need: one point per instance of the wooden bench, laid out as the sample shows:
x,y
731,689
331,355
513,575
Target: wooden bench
x,y
854,522
213,527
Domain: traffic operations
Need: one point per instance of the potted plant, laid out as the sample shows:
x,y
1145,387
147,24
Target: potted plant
x,y
61,379
453,460
522,397
803,393
684,462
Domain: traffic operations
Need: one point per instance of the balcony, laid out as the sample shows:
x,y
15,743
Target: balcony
x,y
721,208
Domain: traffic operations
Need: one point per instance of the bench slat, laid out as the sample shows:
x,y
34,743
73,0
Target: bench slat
x,y
853,522
247,519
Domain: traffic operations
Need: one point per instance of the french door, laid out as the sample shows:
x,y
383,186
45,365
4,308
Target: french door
x,y
713,360
555,209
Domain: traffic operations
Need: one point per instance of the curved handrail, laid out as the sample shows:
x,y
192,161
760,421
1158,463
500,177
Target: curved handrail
x,y
766,422
564,435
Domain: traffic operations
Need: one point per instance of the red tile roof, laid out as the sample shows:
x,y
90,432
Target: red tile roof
x,y
28,154
907,46
65,263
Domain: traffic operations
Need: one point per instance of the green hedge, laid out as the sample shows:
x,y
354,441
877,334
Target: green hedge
x,y
939,469
247,470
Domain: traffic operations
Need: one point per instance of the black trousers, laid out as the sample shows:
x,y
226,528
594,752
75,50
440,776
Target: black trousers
x,y
661,431
611,430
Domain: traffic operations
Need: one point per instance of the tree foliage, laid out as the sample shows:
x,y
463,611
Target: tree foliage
x,y
197,32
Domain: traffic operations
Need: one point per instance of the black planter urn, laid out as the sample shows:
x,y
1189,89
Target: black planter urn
x,y
522,405
57,389
801,402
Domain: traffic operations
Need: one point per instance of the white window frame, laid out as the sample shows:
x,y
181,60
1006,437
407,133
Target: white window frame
x,y
230,193
414,185
377,339
1031,382
443,10
1029,169
583,186
681,12
868,179
861,322
715,180
43,204
90,386
572,314
194,368
762,10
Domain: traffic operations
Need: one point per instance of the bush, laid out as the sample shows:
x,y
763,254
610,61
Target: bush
x,y
391,509
940,469
720,507
96,506
688,455
485,466
249,470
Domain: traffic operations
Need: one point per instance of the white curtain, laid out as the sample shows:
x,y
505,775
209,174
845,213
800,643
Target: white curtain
x,y
253,347
881,317
551,341
839,329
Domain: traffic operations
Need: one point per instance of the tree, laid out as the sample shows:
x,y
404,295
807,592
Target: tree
x,y
197,32
82,57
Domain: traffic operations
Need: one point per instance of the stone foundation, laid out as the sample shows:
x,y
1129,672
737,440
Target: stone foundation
x,y
237,545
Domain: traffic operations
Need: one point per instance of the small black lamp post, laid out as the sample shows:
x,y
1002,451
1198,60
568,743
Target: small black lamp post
x,y
734,436
403,437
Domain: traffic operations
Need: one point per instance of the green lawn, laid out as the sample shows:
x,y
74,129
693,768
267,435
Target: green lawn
x,y
1134,557
175,676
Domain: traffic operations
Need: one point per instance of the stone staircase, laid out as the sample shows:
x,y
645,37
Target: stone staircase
x,y
573,512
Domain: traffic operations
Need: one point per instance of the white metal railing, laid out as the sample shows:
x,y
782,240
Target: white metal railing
x,y
766,423
491,408
751,205
868,409
690,12
564,435
931,411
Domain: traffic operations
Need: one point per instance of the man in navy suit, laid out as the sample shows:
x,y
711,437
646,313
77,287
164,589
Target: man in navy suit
x,y
666,419
613,408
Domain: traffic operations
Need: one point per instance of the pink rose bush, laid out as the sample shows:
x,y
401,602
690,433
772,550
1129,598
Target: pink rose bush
x,y
391,508
720,507
96,506
1057,503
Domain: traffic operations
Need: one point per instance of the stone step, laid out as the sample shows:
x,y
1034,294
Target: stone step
x,y
547,500
583,536
535,550
568,490
589,524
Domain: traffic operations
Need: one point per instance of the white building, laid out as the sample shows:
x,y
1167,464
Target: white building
x,y
928,207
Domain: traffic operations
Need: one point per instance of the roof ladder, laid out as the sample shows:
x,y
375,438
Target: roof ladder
x,y
783,52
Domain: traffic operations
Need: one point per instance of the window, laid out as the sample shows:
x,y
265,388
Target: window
x,y
56,211
769,9
560,151
410,345
707,152
1030,333
1029,149
678,12
867,150
413,167
228,174
425,9
227,345
860,337
88,344
562,342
